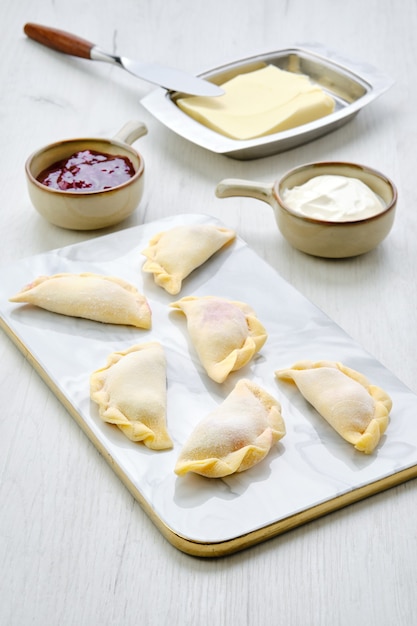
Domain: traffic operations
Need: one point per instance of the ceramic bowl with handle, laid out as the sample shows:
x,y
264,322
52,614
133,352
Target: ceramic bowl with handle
x,y
88,210
322,237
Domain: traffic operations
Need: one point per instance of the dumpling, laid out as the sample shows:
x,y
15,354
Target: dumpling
x,y
235,436
131,393
226,334
92,296
174,254
357,410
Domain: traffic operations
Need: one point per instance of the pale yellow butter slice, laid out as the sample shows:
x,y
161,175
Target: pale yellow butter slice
x,y
258,103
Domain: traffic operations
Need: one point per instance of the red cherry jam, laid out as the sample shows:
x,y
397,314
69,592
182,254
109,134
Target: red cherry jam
x,y
87,170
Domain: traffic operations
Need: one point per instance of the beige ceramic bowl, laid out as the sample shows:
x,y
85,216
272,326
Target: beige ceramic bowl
x,y
88,210
322,238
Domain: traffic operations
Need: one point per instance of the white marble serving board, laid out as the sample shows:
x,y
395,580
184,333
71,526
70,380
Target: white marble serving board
x,y
311,469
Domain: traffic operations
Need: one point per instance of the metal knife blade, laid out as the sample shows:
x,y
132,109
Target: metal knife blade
x,y
168,77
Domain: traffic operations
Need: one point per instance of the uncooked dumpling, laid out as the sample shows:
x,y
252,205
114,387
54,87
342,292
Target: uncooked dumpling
x,y
174,254
226,334
131,393
235,436
92,296
357,410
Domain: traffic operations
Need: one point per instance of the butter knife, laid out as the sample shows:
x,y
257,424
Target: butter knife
x,y
166,77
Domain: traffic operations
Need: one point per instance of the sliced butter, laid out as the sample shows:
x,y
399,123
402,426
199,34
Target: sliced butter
x,y
266,101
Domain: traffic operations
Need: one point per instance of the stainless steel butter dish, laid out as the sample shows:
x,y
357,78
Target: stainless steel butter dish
x,y
352,85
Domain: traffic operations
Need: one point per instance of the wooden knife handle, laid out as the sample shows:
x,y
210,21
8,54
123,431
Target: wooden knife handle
x,y
59,40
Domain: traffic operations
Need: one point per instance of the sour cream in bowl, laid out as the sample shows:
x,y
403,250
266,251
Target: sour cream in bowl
x,y
326,209
333,197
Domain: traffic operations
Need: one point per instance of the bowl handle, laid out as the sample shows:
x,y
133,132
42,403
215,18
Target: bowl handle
x,y
248,188
131,131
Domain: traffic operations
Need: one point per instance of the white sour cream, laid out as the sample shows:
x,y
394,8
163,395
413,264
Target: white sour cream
x,y
334,198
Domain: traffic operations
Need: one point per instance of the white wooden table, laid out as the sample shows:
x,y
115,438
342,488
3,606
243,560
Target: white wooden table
x,y
75,547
